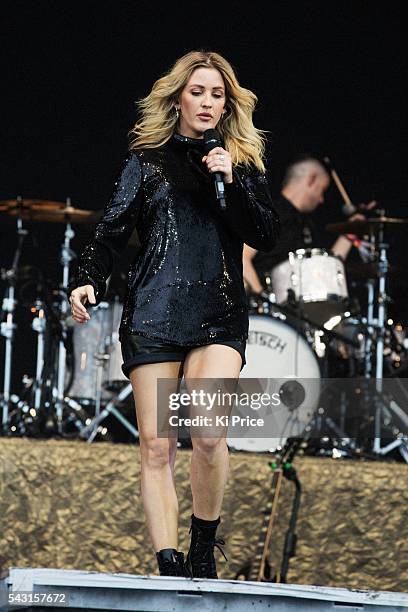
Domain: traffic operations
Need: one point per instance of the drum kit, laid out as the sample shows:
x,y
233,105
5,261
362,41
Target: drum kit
x,y
304,328
78,368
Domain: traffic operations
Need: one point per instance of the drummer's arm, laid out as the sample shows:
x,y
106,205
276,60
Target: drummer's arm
x,y
343,244
250,275
342,247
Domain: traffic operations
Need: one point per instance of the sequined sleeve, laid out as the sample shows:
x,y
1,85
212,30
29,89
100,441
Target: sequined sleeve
x,y
250,212
113,231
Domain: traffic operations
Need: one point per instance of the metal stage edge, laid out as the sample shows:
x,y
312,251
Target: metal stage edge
x,y
97,591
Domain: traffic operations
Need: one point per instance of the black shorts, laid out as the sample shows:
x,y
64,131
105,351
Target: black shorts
x,y
138,350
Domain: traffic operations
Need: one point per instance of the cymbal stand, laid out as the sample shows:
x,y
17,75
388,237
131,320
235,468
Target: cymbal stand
x,y
381,407
8,327
370,318
39,325
67,255
382,299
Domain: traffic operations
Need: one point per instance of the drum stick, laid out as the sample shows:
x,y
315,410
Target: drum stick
x,y
338,182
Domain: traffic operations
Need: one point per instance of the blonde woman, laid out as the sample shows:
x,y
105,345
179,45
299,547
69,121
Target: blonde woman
x,y
185,310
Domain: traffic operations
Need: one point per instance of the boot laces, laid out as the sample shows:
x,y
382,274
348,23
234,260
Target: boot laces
x,y
208,545
217,543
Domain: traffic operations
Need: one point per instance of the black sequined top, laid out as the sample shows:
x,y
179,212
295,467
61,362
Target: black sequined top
x,y
186,285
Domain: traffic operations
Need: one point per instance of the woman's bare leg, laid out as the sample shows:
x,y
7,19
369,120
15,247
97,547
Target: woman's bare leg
x,y
210,460
157,455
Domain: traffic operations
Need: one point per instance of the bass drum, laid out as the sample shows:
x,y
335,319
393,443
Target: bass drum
x,y
282,365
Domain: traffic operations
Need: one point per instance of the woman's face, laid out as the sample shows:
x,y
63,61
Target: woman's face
x,y
201,102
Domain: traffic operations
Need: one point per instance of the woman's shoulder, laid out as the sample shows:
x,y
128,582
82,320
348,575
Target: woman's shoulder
x,y
149,161
147,154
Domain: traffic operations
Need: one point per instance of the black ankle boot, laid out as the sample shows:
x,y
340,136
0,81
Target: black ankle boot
x,y
200,558
171,562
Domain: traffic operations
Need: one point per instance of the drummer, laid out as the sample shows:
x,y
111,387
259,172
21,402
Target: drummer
x,y
304,185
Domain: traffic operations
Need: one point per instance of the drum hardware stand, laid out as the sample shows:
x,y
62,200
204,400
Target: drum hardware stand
x,y
376,325
44,380
39,325
347,442
8,327
91,429
101,361
370,319
67,255
319,419
48,325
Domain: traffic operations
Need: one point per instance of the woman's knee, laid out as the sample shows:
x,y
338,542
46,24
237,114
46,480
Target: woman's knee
x,y
209,446
157,453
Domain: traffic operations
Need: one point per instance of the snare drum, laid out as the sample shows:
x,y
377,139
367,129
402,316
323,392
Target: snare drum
x,y
316,280
281,361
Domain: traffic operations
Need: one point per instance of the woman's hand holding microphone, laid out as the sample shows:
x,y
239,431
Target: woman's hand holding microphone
x,y
219,160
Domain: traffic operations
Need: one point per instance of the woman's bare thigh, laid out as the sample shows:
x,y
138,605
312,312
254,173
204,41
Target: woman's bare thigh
x,y
144,379
213,361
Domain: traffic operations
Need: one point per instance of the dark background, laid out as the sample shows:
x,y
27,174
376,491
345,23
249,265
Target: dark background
x,y
330,78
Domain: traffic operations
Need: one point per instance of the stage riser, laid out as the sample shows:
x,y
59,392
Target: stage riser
x,y
121,592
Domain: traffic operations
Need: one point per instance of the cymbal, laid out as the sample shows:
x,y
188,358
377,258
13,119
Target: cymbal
x,y
362,271
47,211
367,226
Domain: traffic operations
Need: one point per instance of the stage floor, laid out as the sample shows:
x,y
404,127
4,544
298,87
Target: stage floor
x,y
69,505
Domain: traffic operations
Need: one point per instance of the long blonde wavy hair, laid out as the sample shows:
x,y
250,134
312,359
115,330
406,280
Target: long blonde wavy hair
x,y
158,121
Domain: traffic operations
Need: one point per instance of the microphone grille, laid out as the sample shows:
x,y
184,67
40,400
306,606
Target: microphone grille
x,y
211,140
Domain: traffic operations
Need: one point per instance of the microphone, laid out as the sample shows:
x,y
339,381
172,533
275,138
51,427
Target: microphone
x,y
212,140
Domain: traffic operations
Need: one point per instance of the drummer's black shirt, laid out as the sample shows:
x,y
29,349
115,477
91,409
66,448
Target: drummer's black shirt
x,y
297,232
